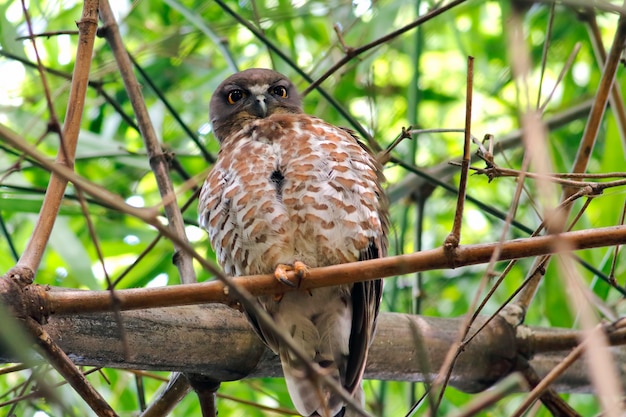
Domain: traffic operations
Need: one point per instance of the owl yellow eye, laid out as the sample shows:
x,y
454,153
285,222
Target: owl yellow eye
x,y
280,91
234,96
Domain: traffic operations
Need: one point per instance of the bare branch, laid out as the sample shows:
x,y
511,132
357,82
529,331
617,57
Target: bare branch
x,y
454,238
219,341
590,134
77,301
33,253
158,160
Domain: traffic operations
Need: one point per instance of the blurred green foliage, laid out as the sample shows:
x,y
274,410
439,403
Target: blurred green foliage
x,y
188,47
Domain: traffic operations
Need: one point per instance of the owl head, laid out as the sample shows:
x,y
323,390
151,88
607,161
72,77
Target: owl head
x,y
248,95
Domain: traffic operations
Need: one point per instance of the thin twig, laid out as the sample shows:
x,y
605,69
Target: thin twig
x,y
617,248
590,133
564,71
617,102
544,52
384,156
495,171
47,34
7,237
454,238
63,364
353,52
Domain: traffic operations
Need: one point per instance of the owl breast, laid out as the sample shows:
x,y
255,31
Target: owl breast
x,y
292,188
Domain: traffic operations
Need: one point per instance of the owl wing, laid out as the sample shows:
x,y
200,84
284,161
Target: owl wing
x,y
367,296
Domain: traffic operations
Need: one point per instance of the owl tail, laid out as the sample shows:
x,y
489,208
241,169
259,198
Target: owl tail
x,y
310,398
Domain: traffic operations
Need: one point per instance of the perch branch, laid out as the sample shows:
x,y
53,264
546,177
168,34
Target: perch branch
x,y
218,340
77,301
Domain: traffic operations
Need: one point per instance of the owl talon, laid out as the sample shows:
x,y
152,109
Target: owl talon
x,y
300,269
287,282
280,273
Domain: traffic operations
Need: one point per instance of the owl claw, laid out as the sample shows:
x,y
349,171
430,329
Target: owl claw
x,y
280,273
300,269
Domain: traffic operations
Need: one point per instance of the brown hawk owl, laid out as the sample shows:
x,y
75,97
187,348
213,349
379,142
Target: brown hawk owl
x,y
289,189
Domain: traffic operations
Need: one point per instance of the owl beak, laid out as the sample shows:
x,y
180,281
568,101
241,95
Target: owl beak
x,y
259,106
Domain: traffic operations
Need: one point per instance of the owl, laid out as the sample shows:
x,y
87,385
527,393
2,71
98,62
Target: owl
x,y
290,191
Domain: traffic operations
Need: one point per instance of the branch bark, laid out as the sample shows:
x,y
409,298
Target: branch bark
x,y
218,342
43,302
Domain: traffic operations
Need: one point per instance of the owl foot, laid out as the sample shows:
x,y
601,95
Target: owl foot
x,y
280,273
300,269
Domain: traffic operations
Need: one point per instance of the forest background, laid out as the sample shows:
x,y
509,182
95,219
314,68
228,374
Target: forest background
x,y
386,69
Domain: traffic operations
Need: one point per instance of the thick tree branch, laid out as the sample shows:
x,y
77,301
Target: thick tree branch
x,y
217,341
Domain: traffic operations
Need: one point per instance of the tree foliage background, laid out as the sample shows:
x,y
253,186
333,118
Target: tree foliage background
x,y
184,49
